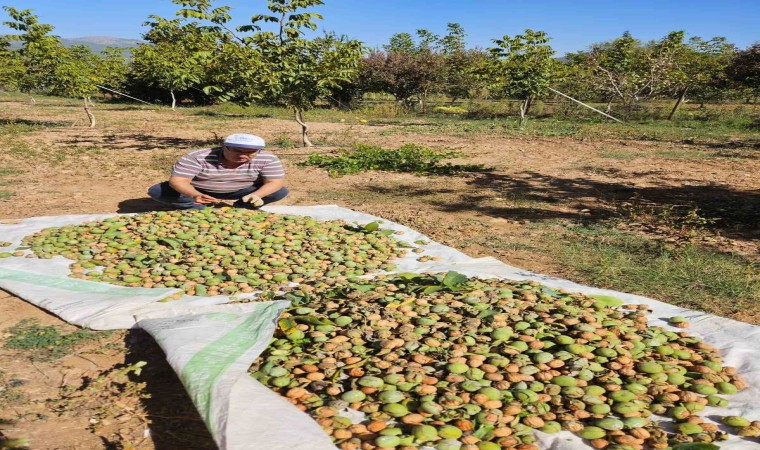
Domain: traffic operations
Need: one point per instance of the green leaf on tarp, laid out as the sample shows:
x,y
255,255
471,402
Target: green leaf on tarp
x,y
287,324
365,287
453,279
372,226
385,232
311,320
487,313
606,300
483,431
432,289
695,446
174,244
112,231
408,276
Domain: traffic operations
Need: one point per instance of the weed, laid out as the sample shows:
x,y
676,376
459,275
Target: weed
x,y
685,220
408,158
47,342
6,194
282,141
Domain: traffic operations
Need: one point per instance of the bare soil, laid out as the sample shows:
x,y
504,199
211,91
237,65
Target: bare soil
x,y
72,169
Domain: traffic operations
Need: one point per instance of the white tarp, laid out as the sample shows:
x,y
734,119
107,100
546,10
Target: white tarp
x,y
211,344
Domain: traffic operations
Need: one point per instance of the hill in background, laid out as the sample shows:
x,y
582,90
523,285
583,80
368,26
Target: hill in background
x,y
96,43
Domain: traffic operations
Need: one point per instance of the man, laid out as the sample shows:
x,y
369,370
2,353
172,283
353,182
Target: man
x,y
240,170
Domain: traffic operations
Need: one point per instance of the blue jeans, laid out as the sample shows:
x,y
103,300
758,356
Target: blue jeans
x,y
163,193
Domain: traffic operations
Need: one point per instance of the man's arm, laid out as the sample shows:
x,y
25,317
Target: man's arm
x,y
183,186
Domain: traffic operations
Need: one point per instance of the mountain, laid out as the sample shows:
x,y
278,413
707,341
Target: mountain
x,y
96,43
99,43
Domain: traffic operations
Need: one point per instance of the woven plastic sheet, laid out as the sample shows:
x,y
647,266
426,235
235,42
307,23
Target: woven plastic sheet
x,y
211,344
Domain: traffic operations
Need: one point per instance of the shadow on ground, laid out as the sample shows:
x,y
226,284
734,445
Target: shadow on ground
x,y
140,142
530,195
175,423
33,123
139,205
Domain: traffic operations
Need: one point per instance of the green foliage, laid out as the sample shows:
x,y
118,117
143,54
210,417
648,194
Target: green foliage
x,y
11,65
40,52
47,342
522,65
77,73
408,158
177,56
745,69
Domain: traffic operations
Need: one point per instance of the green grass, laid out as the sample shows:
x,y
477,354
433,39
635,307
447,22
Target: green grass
x,y
687,276
6,172
282,141
619,154
47,343
408,158
717,132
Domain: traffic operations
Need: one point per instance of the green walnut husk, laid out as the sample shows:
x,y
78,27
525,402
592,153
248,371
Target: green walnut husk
x,y
451,362
217,251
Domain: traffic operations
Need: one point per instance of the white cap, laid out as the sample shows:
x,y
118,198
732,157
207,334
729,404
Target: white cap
x,y
241,140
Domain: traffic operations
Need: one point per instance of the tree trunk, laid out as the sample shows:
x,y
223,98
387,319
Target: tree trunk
x,y
89,102
678,103
89,113
174,100
528,104
523,110
304,128
609,106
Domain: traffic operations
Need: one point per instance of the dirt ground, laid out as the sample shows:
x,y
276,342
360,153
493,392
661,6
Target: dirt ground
x,y
77,170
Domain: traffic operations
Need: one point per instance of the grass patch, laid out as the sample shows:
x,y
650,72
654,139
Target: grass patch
x,y
408,158
684,154
686,276
47,342
7,172
708,133
163,162
282,141
9,392
619,154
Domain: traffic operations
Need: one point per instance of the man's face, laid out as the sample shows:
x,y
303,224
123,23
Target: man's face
x,y
238,155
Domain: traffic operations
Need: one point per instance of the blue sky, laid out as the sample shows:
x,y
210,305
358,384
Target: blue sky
x,y
572,24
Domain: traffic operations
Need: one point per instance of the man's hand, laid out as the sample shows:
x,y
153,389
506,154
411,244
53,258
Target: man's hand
x,y
253,200
204,199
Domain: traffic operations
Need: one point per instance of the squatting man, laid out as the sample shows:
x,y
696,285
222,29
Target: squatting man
x,y
239,170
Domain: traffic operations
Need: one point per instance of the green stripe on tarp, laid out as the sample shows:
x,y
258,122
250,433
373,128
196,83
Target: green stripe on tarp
x,y
202,371
77,285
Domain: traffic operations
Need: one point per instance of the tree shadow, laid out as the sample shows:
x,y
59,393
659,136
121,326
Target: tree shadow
x,y
530,196
221,115
33,123
735,213
139,205
175,422
141,142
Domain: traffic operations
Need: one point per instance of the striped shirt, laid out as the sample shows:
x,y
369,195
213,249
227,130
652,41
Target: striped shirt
x,y
207,173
